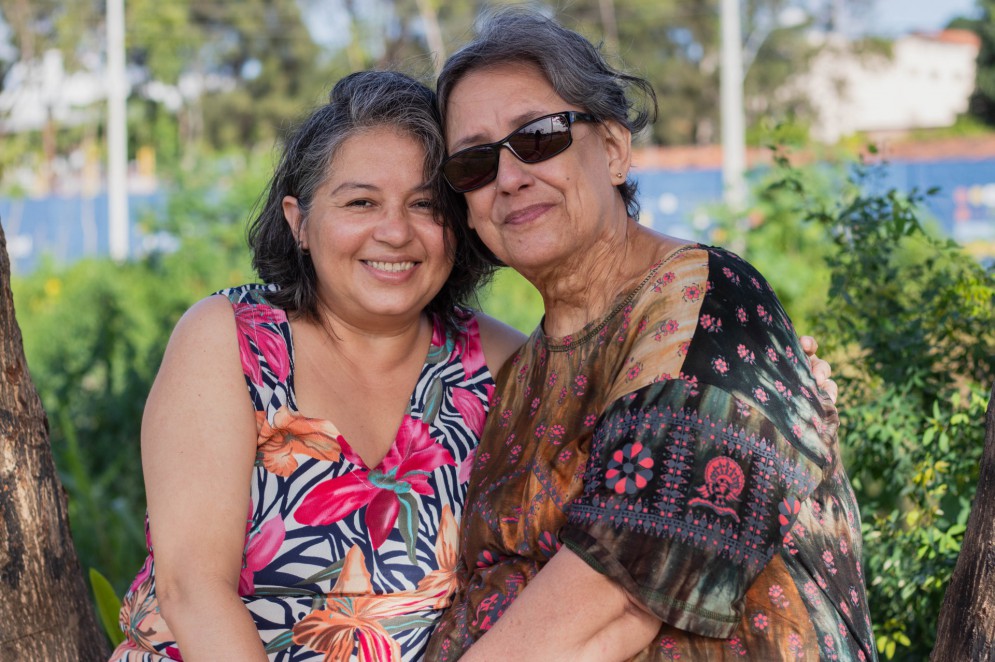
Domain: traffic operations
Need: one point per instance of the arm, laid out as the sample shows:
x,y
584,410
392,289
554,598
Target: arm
x,y
584,616
499,341
198,447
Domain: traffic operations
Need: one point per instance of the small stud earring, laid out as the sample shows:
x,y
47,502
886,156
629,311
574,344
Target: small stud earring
x,y
619,175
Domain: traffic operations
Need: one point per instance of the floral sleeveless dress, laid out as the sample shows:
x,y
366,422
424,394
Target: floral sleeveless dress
x,y
341,561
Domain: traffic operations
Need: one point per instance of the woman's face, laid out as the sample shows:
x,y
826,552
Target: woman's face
x,y
536,216
378,250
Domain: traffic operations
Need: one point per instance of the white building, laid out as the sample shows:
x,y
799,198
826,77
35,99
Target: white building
x,y
925,83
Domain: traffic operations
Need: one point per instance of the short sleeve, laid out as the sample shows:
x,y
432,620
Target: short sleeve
x,y
688,494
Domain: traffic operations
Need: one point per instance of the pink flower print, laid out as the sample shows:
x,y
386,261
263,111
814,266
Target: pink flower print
x,y
736,646
771,354
590,420
540,430
795,644
861,656
845,608
731,275
470,408
565,456
746,354
466,466
710,324
383,490
741,315
764,315
633,371
760,395
580,385
812,593
788,511
844,547
682,349
820,581
551,381
842,630
777,597
669,327
515,451
797,431
262,546
779,385
505,418
691,293
790,353
563,395
629,469
756,283
522,371
742,409
827,558
471,353
251,320
854,596
548,544
534,406
760,621
720,365
806,393
665,279
668,646
510,440
643,323
556,434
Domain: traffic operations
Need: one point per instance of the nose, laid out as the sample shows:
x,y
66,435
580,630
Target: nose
x,y
512,173
394,228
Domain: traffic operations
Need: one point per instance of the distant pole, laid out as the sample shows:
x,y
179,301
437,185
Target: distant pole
x,y
733,120
117,133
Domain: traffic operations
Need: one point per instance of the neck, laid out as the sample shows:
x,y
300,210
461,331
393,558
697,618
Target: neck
x,y
385,343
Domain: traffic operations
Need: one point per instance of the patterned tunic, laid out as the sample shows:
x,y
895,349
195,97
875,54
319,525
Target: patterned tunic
x,y
680,447
342,561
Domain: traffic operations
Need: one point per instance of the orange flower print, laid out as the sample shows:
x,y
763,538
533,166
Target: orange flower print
x,y
351,618
442,583
292,434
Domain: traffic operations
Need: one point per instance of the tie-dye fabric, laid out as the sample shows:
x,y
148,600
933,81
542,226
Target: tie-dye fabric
x,y
680,447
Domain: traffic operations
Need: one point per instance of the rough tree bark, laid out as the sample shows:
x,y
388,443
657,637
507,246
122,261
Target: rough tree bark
x,y
45,609
966,624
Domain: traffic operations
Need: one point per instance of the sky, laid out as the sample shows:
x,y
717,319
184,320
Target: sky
x,y
895,17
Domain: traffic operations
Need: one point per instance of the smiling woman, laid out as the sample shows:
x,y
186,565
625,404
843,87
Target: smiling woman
x,y
317,517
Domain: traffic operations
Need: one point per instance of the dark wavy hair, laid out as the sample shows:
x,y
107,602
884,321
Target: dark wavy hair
x,y
358,102
573,66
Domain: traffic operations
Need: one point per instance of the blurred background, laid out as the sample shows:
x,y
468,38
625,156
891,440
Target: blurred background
x,y
846,147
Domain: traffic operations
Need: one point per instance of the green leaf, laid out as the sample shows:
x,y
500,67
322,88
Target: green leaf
x,y
400,623
108,606
433,401
282,641
330,573
407,522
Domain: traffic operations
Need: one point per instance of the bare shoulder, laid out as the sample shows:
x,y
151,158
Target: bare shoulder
x,y
499,341
209,321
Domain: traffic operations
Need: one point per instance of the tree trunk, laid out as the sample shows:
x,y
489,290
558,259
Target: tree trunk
x,y
45,608
966,624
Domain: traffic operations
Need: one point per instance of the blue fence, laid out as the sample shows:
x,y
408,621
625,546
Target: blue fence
x,y
675,202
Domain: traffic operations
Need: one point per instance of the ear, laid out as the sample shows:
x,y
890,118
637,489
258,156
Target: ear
x,y
292,212
618,146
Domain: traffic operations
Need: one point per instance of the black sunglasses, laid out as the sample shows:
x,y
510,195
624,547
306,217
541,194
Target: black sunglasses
x,y
535,141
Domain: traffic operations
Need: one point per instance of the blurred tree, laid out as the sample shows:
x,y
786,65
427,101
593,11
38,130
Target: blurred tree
x,y
982,103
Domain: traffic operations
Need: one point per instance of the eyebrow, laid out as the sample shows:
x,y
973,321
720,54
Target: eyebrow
x,y
348,186
478,138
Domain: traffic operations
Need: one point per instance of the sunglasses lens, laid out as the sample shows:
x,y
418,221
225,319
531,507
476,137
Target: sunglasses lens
x,y
471,168
542,139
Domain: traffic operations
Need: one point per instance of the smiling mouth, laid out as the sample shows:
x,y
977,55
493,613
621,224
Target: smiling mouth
x,y
390,267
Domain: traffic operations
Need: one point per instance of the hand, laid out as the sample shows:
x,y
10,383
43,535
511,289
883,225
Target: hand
x,y
821,370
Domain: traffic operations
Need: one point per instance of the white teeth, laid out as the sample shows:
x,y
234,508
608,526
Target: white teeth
x,y
391,267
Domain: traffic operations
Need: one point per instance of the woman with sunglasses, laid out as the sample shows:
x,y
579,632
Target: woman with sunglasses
x,y
660,476
317,517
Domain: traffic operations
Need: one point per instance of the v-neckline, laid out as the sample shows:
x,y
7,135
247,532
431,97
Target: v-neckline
x,y
362,463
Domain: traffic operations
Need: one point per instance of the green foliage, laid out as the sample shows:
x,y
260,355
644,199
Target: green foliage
x,y
94,335
910,329
108,606
512,299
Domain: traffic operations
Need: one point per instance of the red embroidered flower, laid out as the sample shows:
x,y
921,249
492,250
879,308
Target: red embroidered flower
x,y
629,469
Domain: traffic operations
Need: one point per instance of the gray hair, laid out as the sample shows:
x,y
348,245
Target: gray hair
x,y
358,102
573,66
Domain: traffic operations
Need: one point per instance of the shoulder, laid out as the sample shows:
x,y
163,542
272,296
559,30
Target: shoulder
x,y
498,340
208,324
